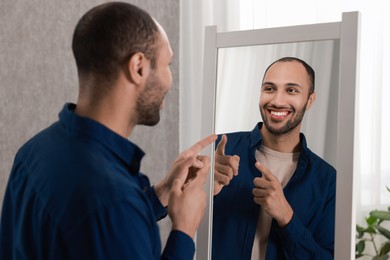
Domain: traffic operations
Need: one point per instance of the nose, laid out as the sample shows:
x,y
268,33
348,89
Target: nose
x,y
279,98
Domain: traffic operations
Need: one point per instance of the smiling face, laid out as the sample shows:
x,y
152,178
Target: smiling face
x,y
285,96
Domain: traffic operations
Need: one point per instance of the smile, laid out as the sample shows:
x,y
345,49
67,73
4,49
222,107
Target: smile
x,y
279,114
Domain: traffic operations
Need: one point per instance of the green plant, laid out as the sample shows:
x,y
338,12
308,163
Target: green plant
x,y
368,234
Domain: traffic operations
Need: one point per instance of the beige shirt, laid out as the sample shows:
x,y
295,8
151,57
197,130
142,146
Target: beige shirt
x,y
283,166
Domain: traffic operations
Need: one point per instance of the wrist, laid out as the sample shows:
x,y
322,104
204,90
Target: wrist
x,y
162,192
285,219
188,231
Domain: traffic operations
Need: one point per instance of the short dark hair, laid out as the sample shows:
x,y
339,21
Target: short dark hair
x,y
308,68
108,35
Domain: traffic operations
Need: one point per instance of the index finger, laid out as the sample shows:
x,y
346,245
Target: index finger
x,y
196,148
266,173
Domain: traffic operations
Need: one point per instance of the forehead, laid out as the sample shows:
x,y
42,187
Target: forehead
x,y
164,46
287,72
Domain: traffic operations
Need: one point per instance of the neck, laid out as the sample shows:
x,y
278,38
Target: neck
x,y
284,143
114,110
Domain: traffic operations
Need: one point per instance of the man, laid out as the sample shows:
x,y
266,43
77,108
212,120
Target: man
x,y
75,190
275,198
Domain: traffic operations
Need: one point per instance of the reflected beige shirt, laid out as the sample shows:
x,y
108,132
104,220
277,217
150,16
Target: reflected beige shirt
x,y
283,166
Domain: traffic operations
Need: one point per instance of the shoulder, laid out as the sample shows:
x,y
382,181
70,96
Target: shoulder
x,y
315,161
320,162
321,172
73,176
235,137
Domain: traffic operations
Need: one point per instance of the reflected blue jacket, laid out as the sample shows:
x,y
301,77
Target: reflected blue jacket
x,y
75,192
310,192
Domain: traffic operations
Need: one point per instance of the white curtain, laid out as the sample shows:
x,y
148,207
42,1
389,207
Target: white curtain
x,y
372,158
194,16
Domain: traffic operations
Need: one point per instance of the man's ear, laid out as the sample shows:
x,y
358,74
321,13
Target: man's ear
x,y
138,68
310,102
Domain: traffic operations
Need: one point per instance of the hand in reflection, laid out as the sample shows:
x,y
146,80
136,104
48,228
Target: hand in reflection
x,y
268,193
225,167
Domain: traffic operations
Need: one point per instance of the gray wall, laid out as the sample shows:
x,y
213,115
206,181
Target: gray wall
x,y
38,75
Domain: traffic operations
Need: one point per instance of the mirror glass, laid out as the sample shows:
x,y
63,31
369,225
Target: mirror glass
x,y
239,75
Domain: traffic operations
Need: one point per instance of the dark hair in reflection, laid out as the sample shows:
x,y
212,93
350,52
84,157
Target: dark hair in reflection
x,y
308,68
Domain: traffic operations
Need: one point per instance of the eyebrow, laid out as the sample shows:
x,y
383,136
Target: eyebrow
x,y
267,83
294,85
290,84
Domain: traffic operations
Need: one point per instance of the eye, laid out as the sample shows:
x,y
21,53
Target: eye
x,y
292,90
268,89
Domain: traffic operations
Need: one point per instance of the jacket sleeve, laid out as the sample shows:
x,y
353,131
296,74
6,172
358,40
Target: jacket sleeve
x,y
126,230
298,242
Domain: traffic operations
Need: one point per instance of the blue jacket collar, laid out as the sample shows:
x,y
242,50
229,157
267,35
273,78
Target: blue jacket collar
x,y
256,138
255,141
130,153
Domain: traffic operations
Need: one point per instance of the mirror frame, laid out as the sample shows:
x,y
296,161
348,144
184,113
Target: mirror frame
x,y
347,32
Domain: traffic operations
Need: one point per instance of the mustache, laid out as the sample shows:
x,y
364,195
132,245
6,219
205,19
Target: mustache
x,y
273,107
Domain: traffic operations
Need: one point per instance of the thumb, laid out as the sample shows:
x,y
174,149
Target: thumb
x,y
181,168
177,186
221,146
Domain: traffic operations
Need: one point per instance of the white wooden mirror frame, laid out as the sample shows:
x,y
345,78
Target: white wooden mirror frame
x,y
347,32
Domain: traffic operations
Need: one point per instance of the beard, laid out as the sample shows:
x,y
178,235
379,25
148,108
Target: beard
x,y
288,126
149,102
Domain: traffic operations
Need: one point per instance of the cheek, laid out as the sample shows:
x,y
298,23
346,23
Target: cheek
x,y
263,100
301,103
298,106
165,79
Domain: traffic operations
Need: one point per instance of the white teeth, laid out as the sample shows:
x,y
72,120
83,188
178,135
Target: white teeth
x,y
278,113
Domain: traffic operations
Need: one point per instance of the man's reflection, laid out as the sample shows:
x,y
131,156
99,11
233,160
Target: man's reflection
x,y
274,198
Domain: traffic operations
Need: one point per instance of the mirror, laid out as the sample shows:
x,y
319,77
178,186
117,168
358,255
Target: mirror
x,y
234,60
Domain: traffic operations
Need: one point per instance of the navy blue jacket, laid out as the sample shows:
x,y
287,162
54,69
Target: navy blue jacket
x,y
310,192
75,192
